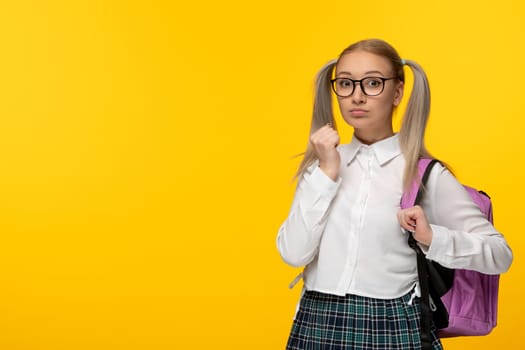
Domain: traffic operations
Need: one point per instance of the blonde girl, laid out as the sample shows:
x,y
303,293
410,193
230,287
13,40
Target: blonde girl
x,y
345,225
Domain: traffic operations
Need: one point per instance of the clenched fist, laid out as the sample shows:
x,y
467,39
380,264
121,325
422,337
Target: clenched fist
x,y
414,220
324,142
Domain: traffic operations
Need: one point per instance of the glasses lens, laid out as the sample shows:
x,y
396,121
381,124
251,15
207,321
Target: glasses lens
x,y
373,86
343,87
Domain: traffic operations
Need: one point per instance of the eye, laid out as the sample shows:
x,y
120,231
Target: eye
x,y
373,82
344,83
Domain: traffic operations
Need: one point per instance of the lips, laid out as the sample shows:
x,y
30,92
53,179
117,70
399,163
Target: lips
x,y
356,112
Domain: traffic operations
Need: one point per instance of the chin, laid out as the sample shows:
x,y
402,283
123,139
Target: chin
x,y
357,123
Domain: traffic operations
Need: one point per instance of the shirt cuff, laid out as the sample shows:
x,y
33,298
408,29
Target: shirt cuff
x,y
440,242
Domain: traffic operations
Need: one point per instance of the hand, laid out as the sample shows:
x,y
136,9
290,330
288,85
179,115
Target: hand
x,y
324,142
414,220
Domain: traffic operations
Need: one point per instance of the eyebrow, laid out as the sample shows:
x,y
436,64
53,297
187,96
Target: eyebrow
x,y
366,73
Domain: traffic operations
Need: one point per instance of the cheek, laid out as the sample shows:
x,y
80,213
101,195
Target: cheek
x,y
385,108
390,101
343,104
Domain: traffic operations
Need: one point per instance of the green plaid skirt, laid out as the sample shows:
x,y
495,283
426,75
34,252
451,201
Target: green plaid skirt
x,y
331,322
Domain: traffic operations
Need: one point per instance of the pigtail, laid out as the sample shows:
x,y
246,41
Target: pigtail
x,y
322,113
412,132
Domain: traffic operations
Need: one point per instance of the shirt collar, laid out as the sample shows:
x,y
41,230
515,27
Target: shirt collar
x,y
384,150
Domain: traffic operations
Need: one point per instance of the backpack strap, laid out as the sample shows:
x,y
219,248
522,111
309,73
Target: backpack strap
x,y
409,199
414,194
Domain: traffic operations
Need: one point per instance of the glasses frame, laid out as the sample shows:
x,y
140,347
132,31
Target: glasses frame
x,y
360,81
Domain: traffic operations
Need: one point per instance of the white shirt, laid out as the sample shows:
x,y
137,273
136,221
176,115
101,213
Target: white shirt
x,y
348,236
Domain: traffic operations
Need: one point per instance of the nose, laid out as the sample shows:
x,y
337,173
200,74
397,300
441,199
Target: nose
x,y
358,96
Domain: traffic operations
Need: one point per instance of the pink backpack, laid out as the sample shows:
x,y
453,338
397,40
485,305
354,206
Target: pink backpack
x,y
463,302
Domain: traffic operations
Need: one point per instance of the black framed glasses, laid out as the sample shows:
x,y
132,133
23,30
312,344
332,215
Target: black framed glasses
x,y
371,86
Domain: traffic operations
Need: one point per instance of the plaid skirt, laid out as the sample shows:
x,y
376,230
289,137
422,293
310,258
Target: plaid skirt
x,y
331,322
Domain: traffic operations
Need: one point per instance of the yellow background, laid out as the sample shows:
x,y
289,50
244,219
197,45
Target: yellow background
x,y
146,158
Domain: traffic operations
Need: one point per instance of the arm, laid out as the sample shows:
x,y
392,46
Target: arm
x,y
299,236
461,236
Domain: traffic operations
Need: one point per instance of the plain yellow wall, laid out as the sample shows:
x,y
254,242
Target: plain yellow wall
x,y
146,158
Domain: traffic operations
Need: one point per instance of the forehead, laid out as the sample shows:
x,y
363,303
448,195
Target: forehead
x,y
360,63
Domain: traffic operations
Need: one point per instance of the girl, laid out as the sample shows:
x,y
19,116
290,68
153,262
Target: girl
x,y
345,224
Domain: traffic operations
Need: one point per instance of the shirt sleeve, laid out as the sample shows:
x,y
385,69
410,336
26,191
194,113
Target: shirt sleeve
x,y
299,236
462,236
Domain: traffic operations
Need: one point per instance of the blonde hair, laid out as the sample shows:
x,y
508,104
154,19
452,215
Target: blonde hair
x,y
412,132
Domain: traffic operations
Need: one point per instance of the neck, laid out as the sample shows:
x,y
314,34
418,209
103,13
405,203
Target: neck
x,y
369,138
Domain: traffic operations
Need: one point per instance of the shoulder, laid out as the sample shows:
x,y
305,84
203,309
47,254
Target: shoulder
x,y
442,181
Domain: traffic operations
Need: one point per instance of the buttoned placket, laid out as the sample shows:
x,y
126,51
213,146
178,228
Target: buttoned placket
x,y
364,157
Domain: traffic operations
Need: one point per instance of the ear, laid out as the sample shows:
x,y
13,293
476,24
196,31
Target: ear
x,y
398,95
